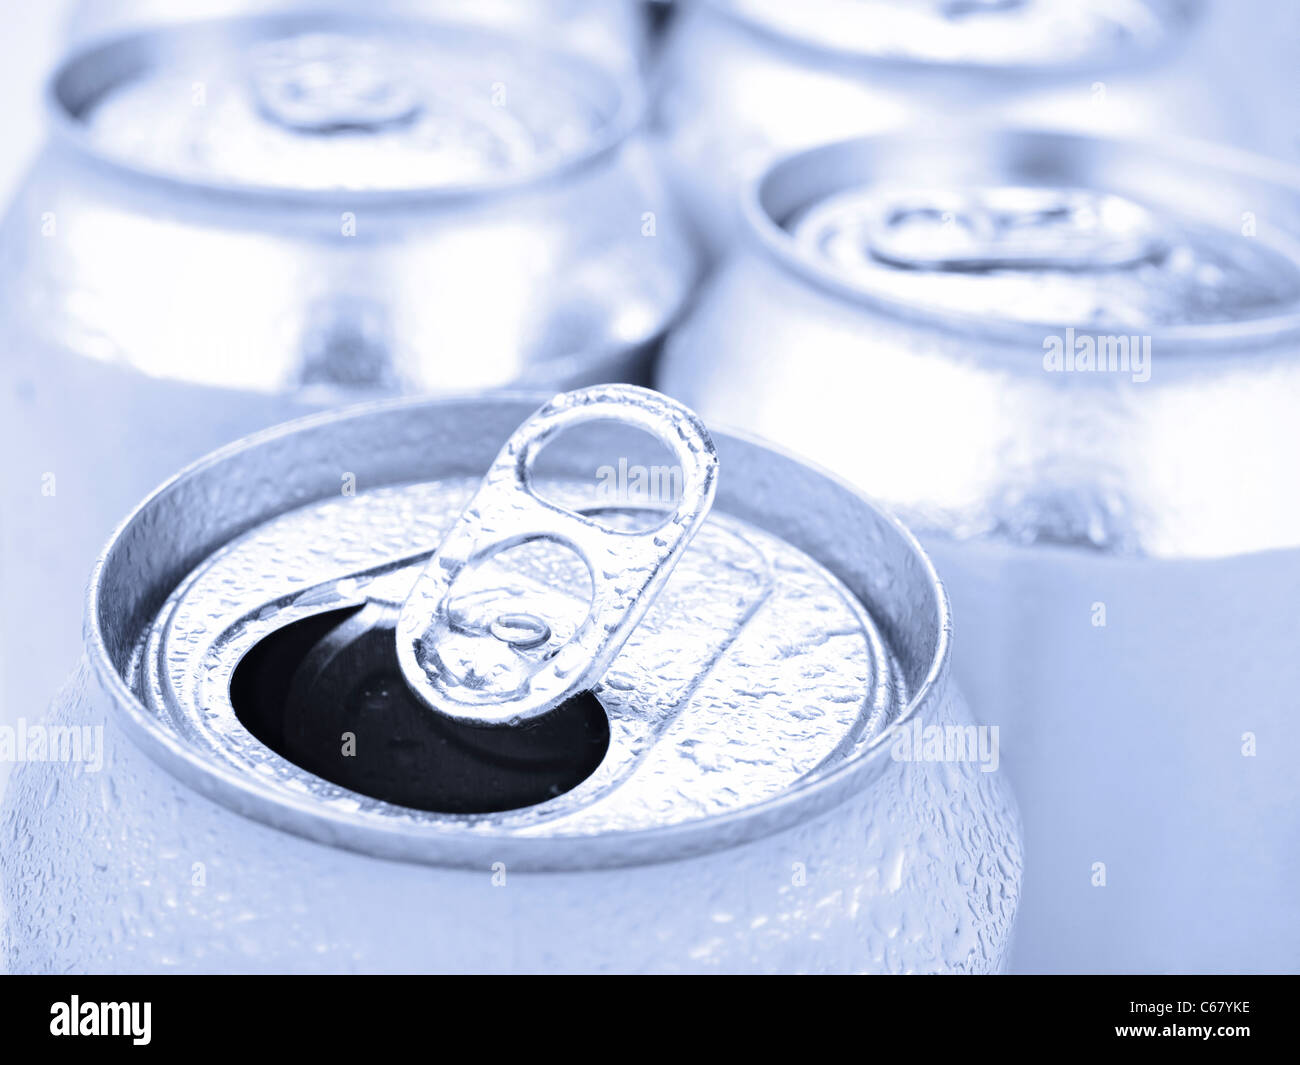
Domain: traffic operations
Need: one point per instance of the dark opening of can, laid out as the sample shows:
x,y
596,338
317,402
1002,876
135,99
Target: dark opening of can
x,y
327,694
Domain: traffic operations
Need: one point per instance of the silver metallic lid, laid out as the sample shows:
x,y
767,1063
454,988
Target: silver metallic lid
x,y
1029,229
1016,34
794,553
1046,254
751,673
324,103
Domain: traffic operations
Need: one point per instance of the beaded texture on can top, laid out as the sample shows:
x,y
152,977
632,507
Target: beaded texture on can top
x,y
752,671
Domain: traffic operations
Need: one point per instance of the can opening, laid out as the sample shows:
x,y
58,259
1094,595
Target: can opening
x,y
327,694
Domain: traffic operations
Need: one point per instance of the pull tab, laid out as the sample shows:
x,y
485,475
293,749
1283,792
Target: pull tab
x,y
1017,228
325,83
517,664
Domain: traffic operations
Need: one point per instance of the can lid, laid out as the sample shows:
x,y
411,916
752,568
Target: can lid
x,y
1054,254
325,102
753,674
985,229
519,665
997,34
1027,228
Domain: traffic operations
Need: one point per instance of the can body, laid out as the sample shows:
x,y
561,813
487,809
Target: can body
x,y
741,82
888,865
149,317
1122,551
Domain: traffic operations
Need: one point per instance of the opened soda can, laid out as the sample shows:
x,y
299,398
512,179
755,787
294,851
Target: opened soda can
x,y
467,685
1072,366
243,220
742,82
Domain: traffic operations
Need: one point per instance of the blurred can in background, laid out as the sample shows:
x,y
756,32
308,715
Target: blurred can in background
x,y
729,795
240,220
611,31
740,82
1072,365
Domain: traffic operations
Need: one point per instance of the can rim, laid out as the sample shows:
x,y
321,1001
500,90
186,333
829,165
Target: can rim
x,y
777,243
624,117
252,798
1180,19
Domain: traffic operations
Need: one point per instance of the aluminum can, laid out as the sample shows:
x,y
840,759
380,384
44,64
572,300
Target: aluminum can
x,y
243,220
727,795
740,82
611,30
1071,365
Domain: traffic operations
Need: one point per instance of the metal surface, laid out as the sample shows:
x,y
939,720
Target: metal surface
x,y
271,253
520,666
1003,35
756,672
185,263
1097,449
610,30
742,82
309,106
749,815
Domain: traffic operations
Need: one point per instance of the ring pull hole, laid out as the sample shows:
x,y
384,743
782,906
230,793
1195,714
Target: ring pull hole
x,y
327,694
